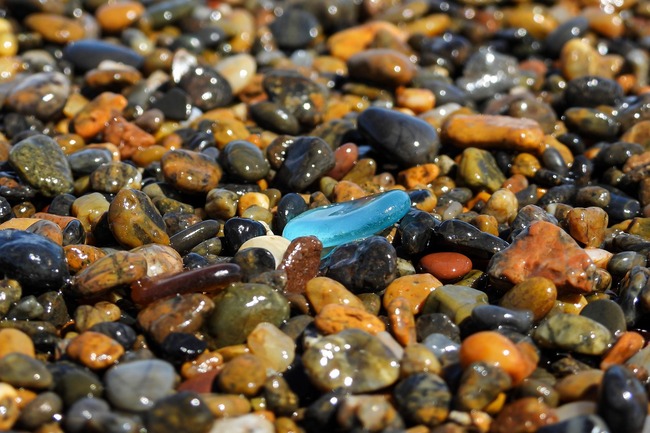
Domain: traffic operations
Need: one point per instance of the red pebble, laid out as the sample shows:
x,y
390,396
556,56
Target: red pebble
x,y
345,157
446,266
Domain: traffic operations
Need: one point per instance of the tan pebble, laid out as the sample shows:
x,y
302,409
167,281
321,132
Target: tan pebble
x,y
346,191
536,294
525,164
516,183
273,347
430,25
416,100
56,28
578,59
243,374
582,385
486,224
94,350
334,318
13,340
502,205
534,18
402,321
114,17
252,199
322,291
206,361
418,358
414,288
9,410
226,405
18,223
94,116
78,257
587,225
604,23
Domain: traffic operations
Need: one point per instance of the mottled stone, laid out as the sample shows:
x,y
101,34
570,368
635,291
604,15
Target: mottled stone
x,y
334,318
207,88
301,262
414,288
274,348
42,164
108,272
481,384
299,95
244,374
455,301
524,415
307,159
572,332
545,250
362,361
479,170
95,115
535,294
135,221
182,313
423,398
190,171
243,160
42,95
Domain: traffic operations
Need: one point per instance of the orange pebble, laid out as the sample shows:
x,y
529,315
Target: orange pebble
x,y
414,288
402,321
334,318
492,347
626,346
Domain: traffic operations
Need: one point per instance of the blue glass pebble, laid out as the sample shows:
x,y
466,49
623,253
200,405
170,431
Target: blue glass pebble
x,y
340,223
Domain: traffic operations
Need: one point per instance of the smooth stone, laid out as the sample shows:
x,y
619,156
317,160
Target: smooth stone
x,y
455,301
76,383
416,230
174,104
608,313
487,72
182,412
243,424
20,370
82,411
181,313
43,95
207,88
245,374
479,170
46,407
238,69
336,361
113,176
300,96
591,91
134,220
271,115
423,398
10,292
480,385
88,54
368,265
110,271
40,161
275,349
276,245
37,263
254,261
94,350
137,385
621,263
622,400
587,225
382,66
162,260
188,239
633,287
572,271
322,291
190,171
362,218
405,139
577,424
534,294
446,266
301,262
575,333
413,288
436,323
334,318
491,317
295,29
15,341
180,347
528,411
306,160
243,160
241,307
290,206
85,161
238,231
572,28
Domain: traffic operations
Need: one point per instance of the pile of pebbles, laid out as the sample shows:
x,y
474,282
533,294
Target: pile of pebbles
x,y
338,215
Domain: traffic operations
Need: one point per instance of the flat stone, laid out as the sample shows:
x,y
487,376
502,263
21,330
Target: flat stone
x,y
544,250
138,385
572,332
334,318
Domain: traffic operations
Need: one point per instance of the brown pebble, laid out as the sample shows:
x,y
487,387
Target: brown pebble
x,y
525,415
127,136
345,156
244,374
536,294
56,28
583,385
114,270
190,171
587,225
14,340
301,262
625,347
78,257
94,350
322,291
414,288
183,313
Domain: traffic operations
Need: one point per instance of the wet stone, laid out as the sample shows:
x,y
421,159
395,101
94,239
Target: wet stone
x,y
207,88
368,265
114,270
528,412
182,412
46,407
239,230
423,398
479,170
275,117
15,341
37,263
42,95
161,260
486,73
179,347
244,161
300,96
535,294
469,240
580,423
181,313
241,307
592,91
244,374
174,104
490,317
407,139
382,66
85,161
306,160
622,401
42,164
121,333
73,383
621,263
480,384
363,362
301,262
190,171
254,261
572,332
94,350
111,177
295,29
20,370
446,266
607,313
134,220
138,385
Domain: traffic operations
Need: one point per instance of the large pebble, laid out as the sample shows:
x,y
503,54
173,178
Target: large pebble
x,y
134,220
41,162
406,139
352,359
307,159
579,334
137,386
190,171
423,398
622,400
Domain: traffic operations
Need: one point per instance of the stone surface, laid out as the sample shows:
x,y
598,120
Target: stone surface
x,y
576,333
138,385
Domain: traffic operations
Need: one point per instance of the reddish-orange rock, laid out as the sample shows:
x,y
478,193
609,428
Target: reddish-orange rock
x,y
627,345
494,348
301,262
446,266
94,350
545,250
128,137
334,318
94,116
423,174
402,321
345,157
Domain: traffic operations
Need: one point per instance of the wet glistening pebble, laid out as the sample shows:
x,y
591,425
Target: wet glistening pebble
x,y
225,216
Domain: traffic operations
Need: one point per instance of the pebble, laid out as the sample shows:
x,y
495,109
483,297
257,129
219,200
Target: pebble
x,y
446,266
409,140
181,412
94,350
424,398
561,331
306,160
20,370
190,171
273,347
333,362
534,294
415,289
138,385
622,401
